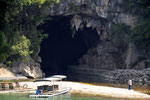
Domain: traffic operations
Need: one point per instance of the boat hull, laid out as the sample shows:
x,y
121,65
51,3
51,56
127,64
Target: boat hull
x,y
50,95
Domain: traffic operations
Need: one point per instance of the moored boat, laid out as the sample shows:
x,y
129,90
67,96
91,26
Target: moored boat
x,y
52,89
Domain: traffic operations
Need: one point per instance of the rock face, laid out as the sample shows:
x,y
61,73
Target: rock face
x,y
28,68
107,55
100,15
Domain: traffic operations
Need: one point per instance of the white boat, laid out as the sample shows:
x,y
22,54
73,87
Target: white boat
x,y
49,95
51,90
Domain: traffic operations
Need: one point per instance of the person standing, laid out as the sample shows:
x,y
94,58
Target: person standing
x,y
37,92
130,84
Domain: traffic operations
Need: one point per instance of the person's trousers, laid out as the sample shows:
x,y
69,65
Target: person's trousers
x,y
129,87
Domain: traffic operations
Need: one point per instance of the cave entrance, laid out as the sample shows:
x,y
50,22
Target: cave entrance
x,y
60,49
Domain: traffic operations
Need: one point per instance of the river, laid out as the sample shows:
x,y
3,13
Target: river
x,y
61,97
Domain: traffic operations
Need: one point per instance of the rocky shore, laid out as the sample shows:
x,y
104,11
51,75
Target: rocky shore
x,y
118,76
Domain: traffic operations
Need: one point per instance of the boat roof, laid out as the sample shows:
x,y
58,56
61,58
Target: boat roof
x,y
49,79
52,78
59,76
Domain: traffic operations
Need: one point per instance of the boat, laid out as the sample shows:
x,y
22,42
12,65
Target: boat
x,y
51,89
50,95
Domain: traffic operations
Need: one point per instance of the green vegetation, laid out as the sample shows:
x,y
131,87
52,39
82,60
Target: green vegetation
x,y
120,33
136,7
19,36
73,7
140,34
141,31
3,47
21,46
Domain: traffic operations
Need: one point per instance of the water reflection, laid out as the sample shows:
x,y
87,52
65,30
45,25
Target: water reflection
x,y
60,97
69,97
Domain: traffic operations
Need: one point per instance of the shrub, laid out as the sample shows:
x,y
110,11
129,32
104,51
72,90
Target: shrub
x,y
3,48
21,46
120,33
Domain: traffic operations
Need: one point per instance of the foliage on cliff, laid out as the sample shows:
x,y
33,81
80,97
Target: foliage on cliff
x,y
140,34
21,46
3,47
19,19
120,32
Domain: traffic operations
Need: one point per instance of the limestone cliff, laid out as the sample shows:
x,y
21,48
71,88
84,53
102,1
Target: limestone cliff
x,y
99,15
28,68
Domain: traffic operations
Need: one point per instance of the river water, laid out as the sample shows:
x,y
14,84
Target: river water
x,y
60,97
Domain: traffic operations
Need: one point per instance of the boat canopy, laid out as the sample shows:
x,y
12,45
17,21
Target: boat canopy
x,y
41,80
59,76
48,79
52,78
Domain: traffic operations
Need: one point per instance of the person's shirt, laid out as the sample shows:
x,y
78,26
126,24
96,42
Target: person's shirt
x,y
37,92
130,82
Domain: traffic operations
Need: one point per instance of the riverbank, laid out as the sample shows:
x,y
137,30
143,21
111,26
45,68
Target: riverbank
x,y
104,91
86,90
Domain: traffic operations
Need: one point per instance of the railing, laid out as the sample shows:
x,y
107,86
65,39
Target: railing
x,y
8,85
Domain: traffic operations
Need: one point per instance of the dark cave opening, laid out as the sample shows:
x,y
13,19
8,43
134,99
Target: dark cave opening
x,y
60,49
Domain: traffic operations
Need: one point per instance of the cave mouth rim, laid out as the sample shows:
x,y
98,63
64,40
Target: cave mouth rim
x,y
54,18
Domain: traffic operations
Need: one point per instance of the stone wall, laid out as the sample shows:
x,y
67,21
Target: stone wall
x,y
139,77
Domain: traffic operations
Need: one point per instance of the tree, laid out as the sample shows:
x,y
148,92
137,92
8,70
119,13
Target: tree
x,y
18,27
141,34
120,33
21,47
3,48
